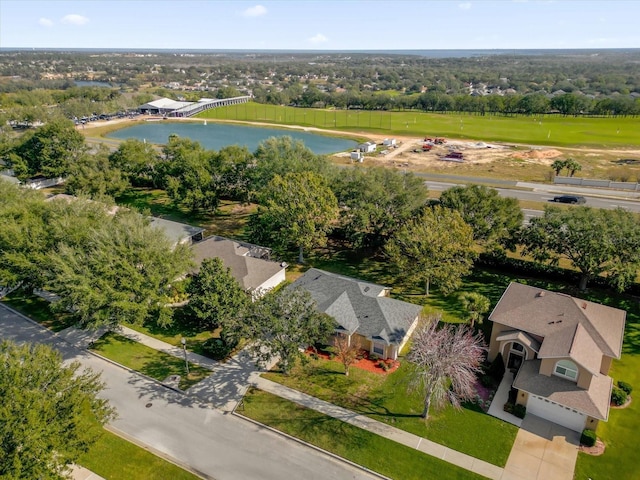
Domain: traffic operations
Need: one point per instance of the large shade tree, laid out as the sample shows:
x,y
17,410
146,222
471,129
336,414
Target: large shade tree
x,y
95,176
595,242
50,150
187,174
375,202
215,297
50,413
296,211
138,161
434,248
121,273
495,220
445,361
22,236
282,155
283,322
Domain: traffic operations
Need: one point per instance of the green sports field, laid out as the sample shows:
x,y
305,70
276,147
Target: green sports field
x,y
606,133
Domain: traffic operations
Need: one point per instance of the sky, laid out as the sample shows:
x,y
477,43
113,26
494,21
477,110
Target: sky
x,y
320,25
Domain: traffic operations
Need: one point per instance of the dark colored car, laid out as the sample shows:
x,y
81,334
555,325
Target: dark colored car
x,y
570,199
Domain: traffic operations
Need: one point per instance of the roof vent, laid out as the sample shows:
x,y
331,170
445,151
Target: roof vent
x,y
540,294
366,289
584,305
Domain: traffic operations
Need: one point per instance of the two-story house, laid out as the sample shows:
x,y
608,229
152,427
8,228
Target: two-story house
x,y
560,349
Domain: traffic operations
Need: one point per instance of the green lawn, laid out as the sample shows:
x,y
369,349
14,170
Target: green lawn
x,y
38,309
227,221
117,459
538,130
387,398
360,446
146,360
621,433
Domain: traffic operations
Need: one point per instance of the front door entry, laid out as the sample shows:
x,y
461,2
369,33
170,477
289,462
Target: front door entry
x,y
515,360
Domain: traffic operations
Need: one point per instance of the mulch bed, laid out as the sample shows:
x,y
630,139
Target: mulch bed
x,y
624,405
364,363
597,449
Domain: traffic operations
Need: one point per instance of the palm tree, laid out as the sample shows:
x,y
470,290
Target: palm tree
x,y
475,305
573,166
558,165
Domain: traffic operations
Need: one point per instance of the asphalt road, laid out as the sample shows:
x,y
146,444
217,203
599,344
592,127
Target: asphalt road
x,y
219,446
608,199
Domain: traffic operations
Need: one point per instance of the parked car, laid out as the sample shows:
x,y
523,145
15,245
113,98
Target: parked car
x,y
576,199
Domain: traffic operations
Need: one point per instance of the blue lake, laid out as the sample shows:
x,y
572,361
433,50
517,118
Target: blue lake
x,y
92,83
216,136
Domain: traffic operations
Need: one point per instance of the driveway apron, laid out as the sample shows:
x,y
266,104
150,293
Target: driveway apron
x,y
542,451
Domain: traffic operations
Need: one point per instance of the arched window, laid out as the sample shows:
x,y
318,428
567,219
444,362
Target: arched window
x,y
566,369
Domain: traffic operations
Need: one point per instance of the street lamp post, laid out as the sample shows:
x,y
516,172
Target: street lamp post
x,y
183,341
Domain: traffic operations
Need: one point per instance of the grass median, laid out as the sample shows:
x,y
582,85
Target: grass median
x,y
143,359
115,458
347,441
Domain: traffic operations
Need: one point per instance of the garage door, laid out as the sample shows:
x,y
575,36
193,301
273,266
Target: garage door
x,y
554,412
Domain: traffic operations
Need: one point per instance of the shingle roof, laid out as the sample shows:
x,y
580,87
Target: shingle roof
x,y
176,232
555,316
593,401
360,306
519,336
249,264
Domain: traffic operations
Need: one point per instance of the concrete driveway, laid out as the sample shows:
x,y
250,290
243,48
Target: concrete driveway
x,y
542,451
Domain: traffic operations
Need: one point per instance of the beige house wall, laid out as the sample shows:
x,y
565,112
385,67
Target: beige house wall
x,y
407,336
546,366
494,346
522,398
605,365
504,347
591,423
584,378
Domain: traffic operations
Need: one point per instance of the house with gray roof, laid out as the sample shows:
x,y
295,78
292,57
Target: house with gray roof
x,y
251,265
363,311
178,233
560,349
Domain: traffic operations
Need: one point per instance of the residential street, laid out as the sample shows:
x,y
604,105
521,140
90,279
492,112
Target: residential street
x,y
217,445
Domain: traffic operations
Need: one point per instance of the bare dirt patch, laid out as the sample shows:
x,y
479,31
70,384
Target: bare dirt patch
x,y
409,154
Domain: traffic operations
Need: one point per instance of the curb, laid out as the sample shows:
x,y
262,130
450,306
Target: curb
x,y
157,453
310,445
55,334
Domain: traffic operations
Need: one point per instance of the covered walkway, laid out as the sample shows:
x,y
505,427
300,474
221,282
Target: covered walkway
x,y
207,104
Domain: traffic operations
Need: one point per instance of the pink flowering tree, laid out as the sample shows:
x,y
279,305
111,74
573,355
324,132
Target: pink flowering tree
x,y
446,361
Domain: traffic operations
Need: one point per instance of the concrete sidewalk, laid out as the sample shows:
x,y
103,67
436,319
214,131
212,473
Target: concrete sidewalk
x,y
169,349
496,409
421,444
81,473
229,382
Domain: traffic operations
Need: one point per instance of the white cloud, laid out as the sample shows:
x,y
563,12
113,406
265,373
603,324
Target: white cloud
x,y
74,19
256,11
318,38
464,6
45,22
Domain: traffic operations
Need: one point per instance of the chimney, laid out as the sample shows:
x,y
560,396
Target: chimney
x,y
584,305
540,294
